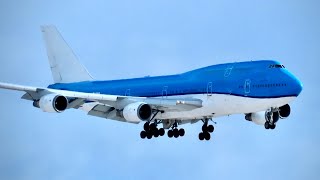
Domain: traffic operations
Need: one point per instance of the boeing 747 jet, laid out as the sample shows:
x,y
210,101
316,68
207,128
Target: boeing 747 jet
x,y
260,90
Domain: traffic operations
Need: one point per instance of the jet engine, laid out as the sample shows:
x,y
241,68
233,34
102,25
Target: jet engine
x,y
284,111
52,103
136,112
261,117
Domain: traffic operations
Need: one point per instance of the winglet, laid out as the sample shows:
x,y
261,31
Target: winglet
x,y
64,64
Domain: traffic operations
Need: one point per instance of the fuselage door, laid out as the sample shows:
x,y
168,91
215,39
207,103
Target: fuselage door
x,y
128,92
164,92
209,88
228,71
246,86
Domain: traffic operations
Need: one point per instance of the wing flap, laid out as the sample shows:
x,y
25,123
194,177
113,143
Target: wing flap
x,y
105,111
100,110
174,104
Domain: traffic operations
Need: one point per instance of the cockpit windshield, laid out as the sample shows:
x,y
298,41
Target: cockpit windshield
x,y
276,66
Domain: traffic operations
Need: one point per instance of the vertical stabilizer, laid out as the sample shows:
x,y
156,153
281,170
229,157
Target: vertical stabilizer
x,y
64,64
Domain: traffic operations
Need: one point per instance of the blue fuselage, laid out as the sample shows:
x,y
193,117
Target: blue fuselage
x,y
256,79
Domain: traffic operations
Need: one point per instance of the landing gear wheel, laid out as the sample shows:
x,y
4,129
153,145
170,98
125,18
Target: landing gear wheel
x,y
201,136
153,126
161,131
170,133
204,128
266,125
210,128
207,136
273,126
156,132
149,135
176,133
146,126
143,134
181,132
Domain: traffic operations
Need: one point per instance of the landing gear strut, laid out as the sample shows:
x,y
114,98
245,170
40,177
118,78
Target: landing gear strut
x,y
206,130
175,132
151,130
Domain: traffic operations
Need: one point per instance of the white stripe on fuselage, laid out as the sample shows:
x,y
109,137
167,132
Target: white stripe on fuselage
x,y
221,105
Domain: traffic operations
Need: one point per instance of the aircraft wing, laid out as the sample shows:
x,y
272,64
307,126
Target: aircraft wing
x,y
35,93
102,105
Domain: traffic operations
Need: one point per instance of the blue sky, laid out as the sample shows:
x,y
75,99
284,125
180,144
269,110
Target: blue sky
x,y
124,39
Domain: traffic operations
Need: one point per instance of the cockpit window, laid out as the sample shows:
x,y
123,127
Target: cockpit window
x,y
276,66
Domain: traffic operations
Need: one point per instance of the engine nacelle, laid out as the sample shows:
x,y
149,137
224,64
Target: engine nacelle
x,y
261,117
137,112
258,117
52,103
284,111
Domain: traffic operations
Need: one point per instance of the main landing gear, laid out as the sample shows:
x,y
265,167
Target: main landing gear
x,y
151,130
272,117
206,130
174,132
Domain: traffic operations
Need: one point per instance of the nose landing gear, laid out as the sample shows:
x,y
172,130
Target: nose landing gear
x,y
272,116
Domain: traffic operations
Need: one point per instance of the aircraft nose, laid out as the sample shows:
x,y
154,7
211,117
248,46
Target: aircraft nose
x,y
298,86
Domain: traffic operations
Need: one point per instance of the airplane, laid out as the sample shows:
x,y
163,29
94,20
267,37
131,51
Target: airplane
x,y
260,90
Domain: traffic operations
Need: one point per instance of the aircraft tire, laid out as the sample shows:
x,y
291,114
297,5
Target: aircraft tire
x,y
146,126
210,128
153,127
207,136
143,134
176,133
181,132
149,135
201,136
170,133
272,126
161,132
204,128
156,132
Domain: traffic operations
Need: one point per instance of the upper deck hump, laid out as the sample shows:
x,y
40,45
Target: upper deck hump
x,y
244,64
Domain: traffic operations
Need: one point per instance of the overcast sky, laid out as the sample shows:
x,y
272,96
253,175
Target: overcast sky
x,y
124,39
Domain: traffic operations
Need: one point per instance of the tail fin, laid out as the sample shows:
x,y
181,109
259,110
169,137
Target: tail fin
x,y
64,64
